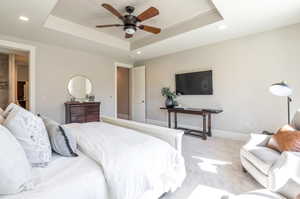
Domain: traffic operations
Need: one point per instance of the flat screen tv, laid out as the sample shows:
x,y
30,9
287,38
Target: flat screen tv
x,y
195,83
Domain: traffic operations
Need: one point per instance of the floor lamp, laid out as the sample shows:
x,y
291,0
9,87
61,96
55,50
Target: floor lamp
x,y
282,89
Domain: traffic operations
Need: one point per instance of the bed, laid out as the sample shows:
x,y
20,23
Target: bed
x,y
102,169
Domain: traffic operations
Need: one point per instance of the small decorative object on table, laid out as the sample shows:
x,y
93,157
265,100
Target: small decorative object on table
x,y
170,97
90,98
73,99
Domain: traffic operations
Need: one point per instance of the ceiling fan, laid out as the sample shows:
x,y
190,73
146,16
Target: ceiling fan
x,y
131,22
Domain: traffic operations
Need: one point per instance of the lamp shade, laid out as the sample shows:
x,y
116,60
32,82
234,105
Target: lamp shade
x,y
281,89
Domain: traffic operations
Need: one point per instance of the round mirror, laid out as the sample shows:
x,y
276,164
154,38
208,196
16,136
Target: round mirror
x,y
79,87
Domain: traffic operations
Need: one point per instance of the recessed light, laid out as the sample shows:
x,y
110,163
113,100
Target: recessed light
x,y
138,52
23,18
222,27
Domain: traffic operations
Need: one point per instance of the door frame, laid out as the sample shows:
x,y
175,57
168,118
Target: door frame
x,y
32,67
116,65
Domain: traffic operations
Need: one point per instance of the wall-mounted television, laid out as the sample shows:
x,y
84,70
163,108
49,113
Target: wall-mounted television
x,y
195,83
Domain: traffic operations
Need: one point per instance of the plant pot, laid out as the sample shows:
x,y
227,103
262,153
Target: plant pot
x,y
169,102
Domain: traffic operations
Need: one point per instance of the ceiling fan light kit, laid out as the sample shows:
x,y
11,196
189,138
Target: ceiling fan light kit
x,y
131,22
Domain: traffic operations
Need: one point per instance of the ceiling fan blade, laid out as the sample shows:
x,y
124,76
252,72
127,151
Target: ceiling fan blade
x,y
147,14
113,11
127,36
151,29
107,26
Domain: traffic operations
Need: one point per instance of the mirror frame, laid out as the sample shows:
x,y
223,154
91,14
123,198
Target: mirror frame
x,y
72,77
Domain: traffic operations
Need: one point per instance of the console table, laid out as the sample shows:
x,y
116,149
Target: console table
x,y
206,119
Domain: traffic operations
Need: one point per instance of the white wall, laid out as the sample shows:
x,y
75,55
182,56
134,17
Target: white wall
x,y
56,65
243,69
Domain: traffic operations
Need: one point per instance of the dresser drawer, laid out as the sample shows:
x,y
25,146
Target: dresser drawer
x,y
78,110
92,108
77,119
92,118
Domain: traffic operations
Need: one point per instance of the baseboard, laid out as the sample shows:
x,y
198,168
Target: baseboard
x,y
123,116
216,132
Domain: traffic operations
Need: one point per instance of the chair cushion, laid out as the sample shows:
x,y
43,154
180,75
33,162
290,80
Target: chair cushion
x,y
261,157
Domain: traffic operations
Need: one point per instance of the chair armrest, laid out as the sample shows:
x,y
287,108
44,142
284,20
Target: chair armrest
x,y
171,136
257,140
284,176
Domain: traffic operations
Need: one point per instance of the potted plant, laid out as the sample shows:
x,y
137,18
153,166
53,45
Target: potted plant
x,y
170,97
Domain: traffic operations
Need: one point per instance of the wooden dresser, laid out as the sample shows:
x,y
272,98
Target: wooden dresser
x,y
77,112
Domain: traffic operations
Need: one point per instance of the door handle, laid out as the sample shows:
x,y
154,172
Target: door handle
x,y
143,101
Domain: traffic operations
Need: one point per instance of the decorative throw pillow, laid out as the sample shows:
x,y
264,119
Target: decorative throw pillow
x,y
287,138
30,131
61,141
15,170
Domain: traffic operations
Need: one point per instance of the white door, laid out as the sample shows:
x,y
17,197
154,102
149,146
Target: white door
x,y
139,94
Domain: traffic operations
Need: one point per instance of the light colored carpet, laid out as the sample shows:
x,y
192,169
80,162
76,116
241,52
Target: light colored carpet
x,y
213,170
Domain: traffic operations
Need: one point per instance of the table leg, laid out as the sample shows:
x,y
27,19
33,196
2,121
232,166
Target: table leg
x,y
175,119
209,125
169,119
204,127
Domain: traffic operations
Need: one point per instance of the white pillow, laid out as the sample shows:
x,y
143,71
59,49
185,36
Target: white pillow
x,y
31,132
1,111
15,170
8,109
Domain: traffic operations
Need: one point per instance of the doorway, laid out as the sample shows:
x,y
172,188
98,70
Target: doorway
x,y
130,92
123,92
14,78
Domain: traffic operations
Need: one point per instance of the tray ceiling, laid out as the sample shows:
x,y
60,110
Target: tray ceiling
x,y
89,13
186,24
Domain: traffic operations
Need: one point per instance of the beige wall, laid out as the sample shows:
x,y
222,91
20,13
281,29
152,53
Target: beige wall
x,y
123,92
56,65
243,69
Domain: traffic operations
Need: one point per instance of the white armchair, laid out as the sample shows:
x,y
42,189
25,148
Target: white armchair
x,y
284,177
279,172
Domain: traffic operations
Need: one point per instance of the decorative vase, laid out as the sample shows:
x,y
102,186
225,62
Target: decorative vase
x,y
169,102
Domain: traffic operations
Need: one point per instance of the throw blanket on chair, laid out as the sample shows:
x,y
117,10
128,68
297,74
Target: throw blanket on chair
x,y
135,165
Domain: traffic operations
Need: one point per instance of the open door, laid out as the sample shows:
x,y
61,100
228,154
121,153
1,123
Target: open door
x,y
138,85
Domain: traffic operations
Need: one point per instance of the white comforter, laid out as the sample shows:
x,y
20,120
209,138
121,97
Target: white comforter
x,y
136,166
66,178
